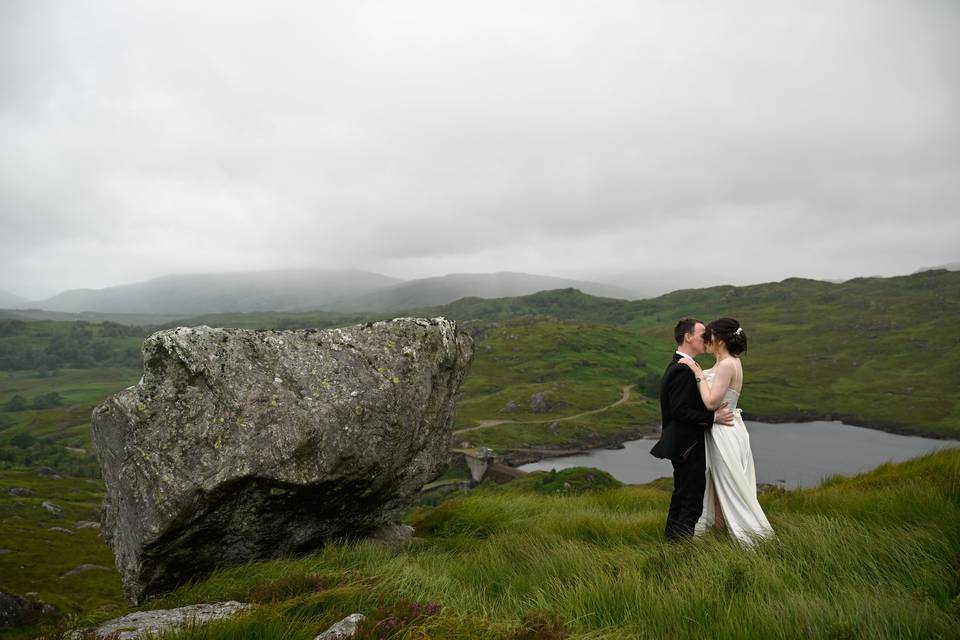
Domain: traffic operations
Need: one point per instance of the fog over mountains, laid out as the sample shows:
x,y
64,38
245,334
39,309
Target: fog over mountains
x,y
10,301
301,290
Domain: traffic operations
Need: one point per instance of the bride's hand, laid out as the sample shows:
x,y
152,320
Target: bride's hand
x,y
690,362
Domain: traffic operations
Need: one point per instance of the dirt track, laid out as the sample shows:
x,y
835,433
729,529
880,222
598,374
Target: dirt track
x,y
625,391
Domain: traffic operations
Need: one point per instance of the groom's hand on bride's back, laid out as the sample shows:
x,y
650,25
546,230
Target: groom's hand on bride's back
x,y
723,416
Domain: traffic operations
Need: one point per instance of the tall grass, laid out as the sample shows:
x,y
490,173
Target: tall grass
x,y
875,556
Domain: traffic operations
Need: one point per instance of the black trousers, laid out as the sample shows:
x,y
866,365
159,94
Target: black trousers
x,y
689,483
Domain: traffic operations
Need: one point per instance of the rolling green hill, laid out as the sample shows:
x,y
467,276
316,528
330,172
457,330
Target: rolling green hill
x,y
876,352
873,351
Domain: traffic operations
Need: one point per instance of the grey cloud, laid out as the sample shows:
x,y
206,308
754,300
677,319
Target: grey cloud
x,y
143,138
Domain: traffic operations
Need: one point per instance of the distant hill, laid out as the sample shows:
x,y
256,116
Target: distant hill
x,y
950,266
304,290
281,290
11,301
430,292
130,319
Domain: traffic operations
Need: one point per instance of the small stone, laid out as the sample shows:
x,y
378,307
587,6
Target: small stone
x,y
86,567
346,628
20,492
86,524
60,530
51,507
47,472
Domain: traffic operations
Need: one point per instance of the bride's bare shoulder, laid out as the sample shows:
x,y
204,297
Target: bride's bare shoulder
x,y
726,363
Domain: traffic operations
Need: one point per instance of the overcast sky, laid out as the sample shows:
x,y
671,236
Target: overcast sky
x,y
731,142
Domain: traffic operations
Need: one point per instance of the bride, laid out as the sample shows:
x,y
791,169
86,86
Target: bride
x,y
731,495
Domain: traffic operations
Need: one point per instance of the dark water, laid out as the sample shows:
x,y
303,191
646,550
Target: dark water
x,y
790,454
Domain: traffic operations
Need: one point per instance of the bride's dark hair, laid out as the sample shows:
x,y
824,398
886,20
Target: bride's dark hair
x,y
729,331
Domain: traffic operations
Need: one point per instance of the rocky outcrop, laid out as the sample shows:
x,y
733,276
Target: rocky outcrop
x,y
544,402
16,611
240,445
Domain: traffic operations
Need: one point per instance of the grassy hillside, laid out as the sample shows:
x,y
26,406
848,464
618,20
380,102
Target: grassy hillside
x,y
56,436
537,373
874,351
38,555
576,555
877,351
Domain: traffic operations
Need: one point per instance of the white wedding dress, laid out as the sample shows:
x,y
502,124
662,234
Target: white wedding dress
x,y
732,479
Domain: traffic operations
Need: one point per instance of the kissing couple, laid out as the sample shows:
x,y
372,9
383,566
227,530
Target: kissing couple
x,y
704,436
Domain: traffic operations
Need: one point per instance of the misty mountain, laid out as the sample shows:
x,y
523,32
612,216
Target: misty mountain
x,y
305,290
280,290
11,301
441,290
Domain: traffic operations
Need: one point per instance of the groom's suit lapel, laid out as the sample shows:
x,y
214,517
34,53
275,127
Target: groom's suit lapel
x,y
671,368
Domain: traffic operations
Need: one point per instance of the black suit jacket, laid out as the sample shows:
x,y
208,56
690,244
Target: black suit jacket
x,y
685,417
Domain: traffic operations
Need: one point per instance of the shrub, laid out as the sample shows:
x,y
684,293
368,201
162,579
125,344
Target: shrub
x,y
47,401
16,403
400,620
23,440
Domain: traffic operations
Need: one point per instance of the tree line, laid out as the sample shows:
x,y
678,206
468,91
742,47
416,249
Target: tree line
x,y
46,346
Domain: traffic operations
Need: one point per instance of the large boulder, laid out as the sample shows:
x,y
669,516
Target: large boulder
x,y
239,445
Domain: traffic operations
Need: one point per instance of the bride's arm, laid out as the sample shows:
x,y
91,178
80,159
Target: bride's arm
x,y
712,394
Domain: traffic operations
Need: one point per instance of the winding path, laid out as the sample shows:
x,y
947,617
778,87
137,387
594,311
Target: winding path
x,y
625,396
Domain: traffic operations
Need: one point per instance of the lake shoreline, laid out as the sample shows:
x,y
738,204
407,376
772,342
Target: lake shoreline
x,y
600,441
847,419
617,439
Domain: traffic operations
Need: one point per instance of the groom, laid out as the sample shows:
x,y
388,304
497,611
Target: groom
x,y
685,420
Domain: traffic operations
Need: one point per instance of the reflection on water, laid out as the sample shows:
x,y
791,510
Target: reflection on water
x,y
791,454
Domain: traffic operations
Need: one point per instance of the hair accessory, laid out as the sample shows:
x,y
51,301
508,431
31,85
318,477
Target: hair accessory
x,y
738,331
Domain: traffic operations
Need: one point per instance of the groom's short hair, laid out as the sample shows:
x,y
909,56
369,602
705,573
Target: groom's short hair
x,y
685,326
